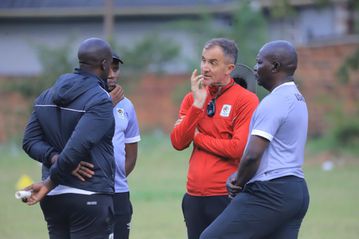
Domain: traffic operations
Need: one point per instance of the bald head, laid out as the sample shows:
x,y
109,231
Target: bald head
x,y
95,55
282,53
94,50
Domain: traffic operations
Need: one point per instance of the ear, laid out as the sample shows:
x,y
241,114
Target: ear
x,y
275,66
103,64
230,68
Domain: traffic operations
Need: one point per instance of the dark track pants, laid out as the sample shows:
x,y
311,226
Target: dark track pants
x,y
76,216
199,212
269,210
123,214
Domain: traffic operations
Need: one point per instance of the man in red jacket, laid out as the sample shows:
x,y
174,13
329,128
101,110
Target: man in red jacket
x,y
215,116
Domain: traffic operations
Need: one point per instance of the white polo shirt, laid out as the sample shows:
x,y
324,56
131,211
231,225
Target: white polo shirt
x,y
281,118
126,131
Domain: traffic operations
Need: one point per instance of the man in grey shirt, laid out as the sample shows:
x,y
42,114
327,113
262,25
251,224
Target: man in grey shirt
x,y
270,195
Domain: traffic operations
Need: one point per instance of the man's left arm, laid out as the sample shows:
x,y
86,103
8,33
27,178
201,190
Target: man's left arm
x,y
131,157
230,148
34,143
90,129
132,137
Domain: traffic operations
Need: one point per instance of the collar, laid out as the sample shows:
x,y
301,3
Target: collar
x,y
102,83
282,85
213,90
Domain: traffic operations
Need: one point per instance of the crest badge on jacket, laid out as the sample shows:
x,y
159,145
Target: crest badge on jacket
x,y
226,110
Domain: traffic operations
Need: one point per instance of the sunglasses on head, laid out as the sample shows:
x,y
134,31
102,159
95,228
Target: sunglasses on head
x,y
211,108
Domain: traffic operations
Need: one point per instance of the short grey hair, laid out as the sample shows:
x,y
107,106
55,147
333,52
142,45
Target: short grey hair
x,y
228,46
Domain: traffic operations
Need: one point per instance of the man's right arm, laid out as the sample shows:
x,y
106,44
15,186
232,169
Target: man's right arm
x,y
117,94
190,114
183,131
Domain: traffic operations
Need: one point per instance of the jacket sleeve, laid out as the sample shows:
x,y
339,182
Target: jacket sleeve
x,y
231,148
34,143
182,134
91,128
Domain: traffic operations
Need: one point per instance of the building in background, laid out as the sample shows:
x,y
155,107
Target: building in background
x,y
323,34
26,24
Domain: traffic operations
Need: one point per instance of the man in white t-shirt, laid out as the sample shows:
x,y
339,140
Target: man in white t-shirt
x,y
125,143
270,195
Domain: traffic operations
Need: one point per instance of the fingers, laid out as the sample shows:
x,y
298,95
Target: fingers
x,y
86,164
233,189
76,174
84,169
196,80
33,199
85,172
117,94
118,90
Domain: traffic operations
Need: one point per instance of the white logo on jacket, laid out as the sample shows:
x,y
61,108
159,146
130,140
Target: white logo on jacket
x,y
226,110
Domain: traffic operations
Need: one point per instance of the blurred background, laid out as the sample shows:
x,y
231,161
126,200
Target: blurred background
x,y
161,42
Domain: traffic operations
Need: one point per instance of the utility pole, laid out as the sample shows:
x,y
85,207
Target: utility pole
x,y
108,20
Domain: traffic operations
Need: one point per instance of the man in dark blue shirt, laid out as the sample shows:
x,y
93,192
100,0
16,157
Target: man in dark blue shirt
x,y
72,122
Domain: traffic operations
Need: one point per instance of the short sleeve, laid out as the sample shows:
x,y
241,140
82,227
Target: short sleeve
x,y
132,132
268,117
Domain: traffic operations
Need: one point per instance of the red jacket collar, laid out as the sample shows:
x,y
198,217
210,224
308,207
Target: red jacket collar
x,y
213,90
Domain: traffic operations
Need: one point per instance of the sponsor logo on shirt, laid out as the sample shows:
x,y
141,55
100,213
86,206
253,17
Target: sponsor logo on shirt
x,y
121,113
226,110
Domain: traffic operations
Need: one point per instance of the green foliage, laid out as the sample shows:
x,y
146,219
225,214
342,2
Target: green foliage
x,y
281,9
248,29
345,136
351,63
54,61
200,31
151,54
246,26
342,135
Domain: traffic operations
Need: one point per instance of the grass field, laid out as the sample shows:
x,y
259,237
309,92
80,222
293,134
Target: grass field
x,y
157,187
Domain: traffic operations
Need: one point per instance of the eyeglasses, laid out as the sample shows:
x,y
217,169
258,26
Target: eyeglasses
x,y
211,108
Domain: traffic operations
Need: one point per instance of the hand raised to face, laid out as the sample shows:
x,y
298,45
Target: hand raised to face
x,y
199,91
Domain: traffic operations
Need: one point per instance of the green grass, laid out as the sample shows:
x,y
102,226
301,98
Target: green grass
x,y
157,186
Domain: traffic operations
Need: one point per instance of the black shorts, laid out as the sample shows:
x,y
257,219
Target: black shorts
x,y
78,216
200,211
123,214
